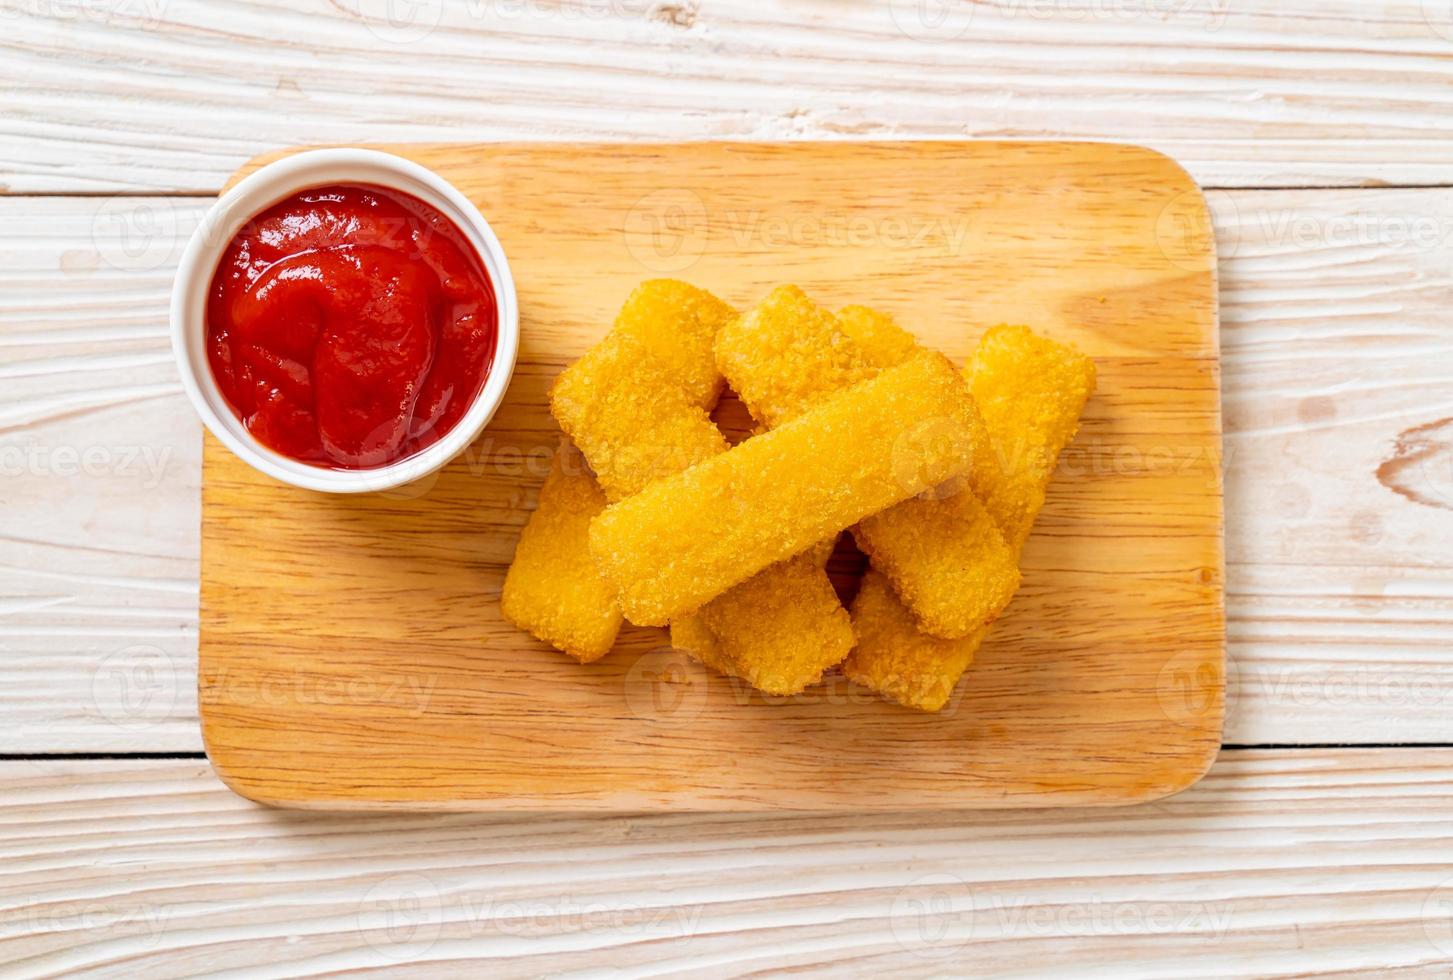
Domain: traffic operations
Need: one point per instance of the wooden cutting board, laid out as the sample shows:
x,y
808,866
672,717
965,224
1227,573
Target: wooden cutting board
x,y
352,652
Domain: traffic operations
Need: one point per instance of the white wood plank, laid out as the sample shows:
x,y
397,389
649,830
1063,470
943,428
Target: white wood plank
x,y
100,458
1336,343
1336,340
1278,864
169,95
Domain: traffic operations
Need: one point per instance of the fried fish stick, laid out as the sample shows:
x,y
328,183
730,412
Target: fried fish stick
x,y
787,354
689,633
784,640
947,559
783,627
675,325
553,589
686,539
1032,391
655,373
780,630
945,555
629,417
636,404
897,659
881,340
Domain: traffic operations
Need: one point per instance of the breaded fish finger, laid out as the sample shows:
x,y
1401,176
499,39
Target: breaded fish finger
x,y
689,633
675,324
636,404
783,627
553,589
787,354
784,639
879,338
945,554
897,659
1032,391
780,630
654,374
947,559
629,418
686,539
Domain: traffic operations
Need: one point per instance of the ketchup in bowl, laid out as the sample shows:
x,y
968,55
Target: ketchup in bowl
x,y
350,326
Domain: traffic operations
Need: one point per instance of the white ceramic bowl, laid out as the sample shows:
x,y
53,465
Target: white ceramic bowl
x,y
261,190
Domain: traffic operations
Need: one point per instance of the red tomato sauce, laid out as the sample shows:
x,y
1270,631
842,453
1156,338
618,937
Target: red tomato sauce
x,y
350,326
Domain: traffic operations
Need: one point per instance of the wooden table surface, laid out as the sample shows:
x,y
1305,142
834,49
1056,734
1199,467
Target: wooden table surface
x,y
1322,841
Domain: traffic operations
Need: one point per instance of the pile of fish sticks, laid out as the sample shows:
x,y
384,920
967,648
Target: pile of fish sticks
x,y
650,515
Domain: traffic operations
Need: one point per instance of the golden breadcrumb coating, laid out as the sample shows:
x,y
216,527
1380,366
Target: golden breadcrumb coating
x,y
686,539
895,658
553,589
689,634
742,624
675,325
786,354
879,338
946,558
1031,391
780,630
944,554
629,417
637,405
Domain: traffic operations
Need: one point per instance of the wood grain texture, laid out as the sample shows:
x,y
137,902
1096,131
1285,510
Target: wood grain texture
x,y
1339,588
1277,864
1339,601
352,652
100,457
1335,328
169,95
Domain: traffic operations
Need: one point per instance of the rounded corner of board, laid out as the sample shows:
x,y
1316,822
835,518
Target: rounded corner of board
x,y
234,779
